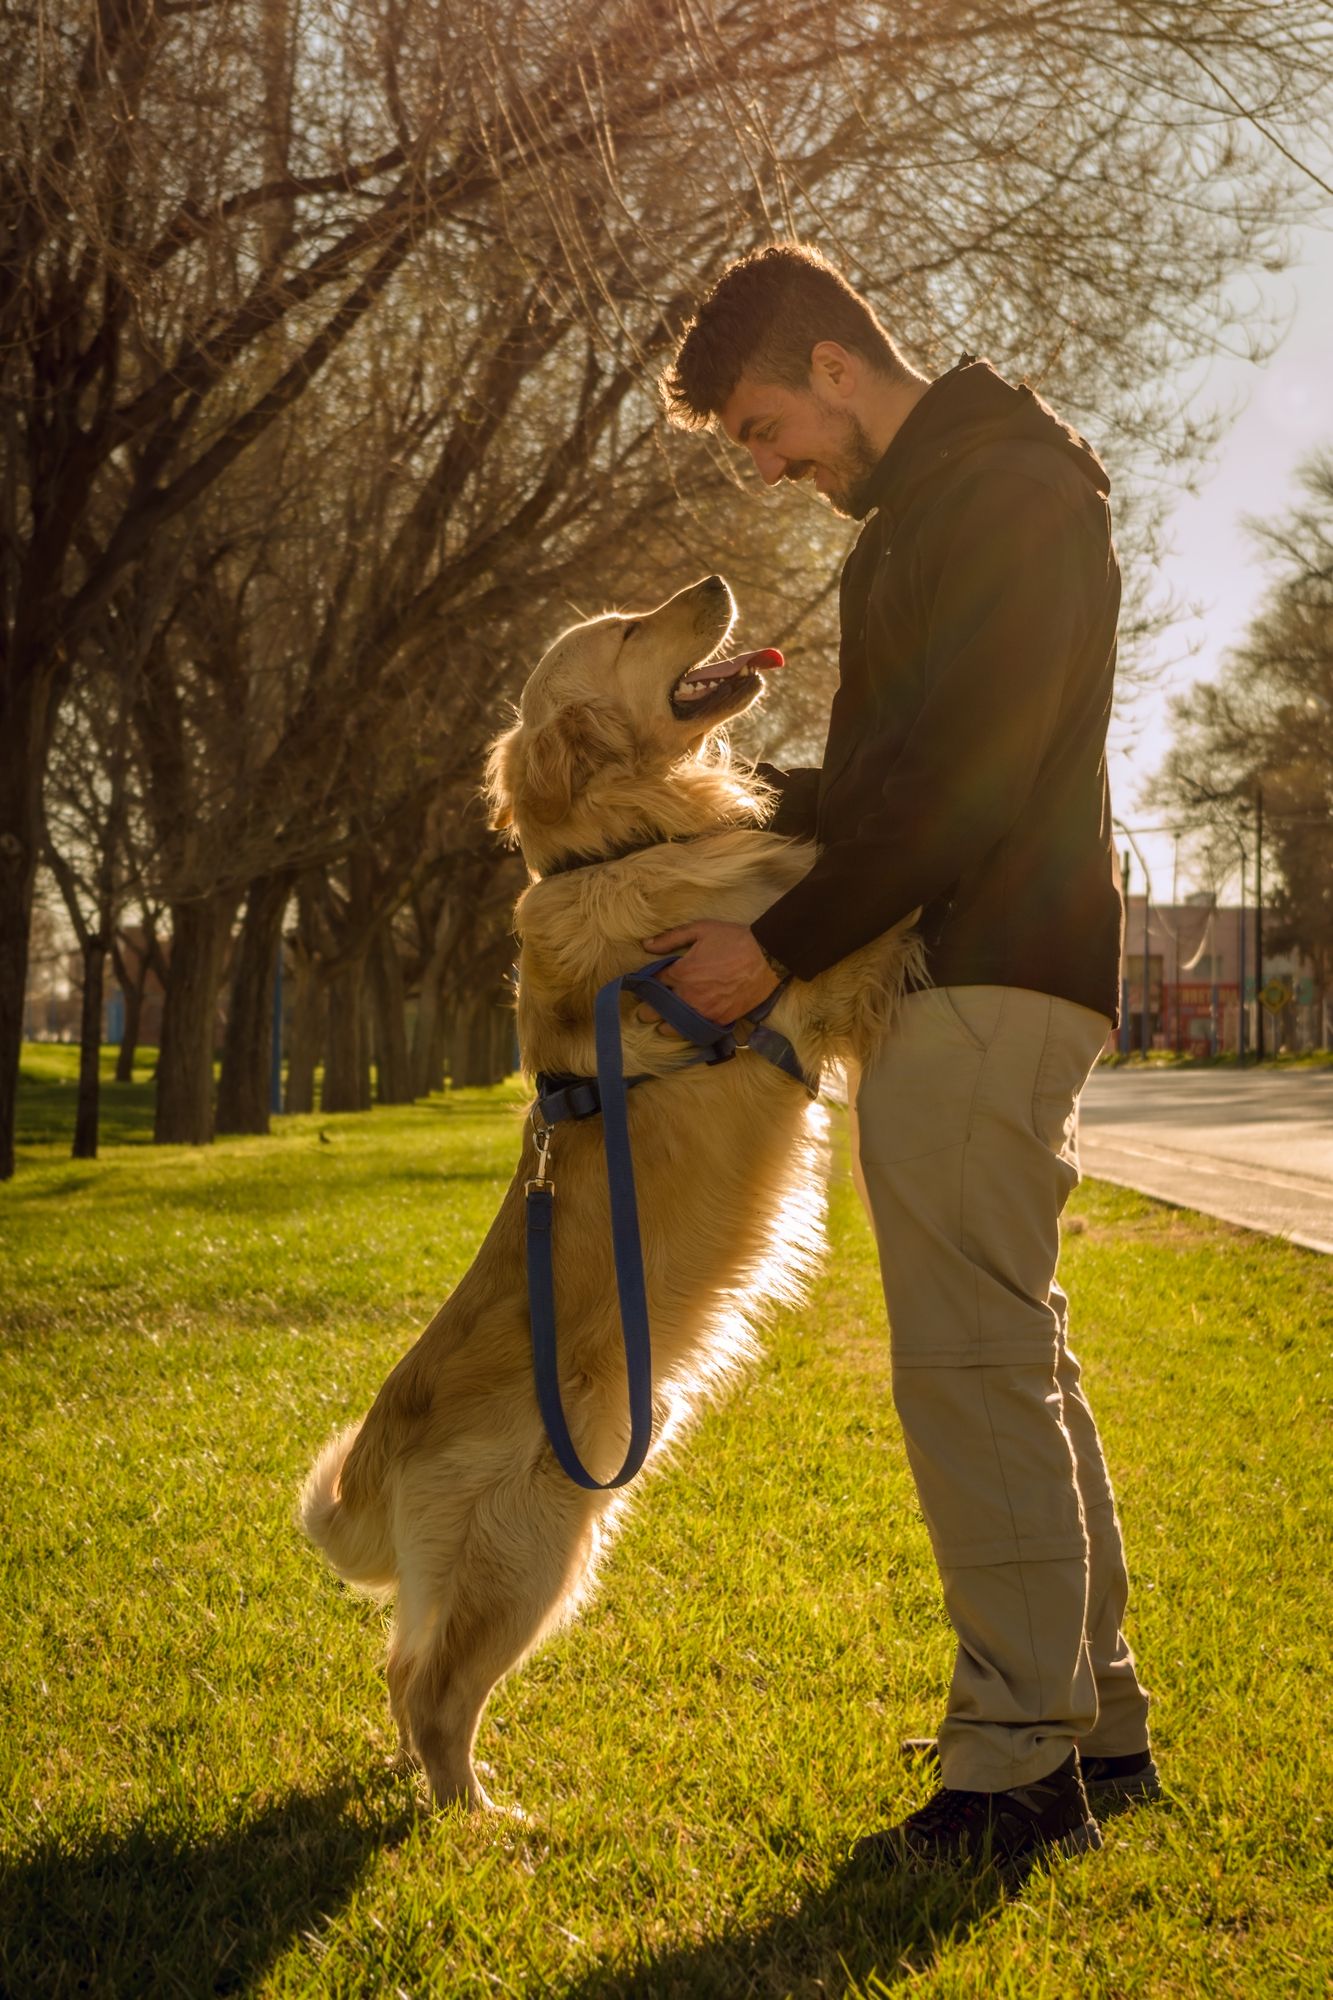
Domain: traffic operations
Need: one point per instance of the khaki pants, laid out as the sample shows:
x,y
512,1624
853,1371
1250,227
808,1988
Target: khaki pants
x,y
967,1123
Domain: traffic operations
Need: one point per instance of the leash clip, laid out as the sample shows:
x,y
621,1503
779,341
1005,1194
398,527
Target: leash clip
x,y
541,1182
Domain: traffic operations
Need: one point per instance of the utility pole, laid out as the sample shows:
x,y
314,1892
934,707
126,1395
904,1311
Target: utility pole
x,y
1204,796
1259,922
1175,924
1145,1016
1240,1012
1145,1032
1124,969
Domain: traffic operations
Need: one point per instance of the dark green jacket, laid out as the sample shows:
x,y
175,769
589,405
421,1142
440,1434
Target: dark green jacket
x,y
965,767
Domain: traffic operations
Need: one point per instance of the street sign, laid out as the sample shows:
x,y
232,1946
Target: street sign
x,y
1275,994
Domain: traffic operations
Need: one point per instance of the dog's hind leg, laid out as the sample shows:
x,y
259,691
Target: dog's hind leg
x,y
519,1571
444,1703
409,1637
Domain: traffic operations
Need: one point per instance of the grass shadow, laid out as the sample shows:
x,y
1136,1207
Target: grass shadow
x,y
48,1100
154,1909
47,1106
68,1184
266,1198
855,1932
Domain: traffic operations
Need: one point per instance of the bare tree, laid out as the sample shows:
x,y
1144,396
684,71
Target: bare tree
x,y
1266,725
205,207
244,1086
136,953
85,846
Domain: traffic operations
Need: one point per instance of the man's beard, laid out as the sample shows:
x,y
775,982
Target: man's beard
x,y
852,464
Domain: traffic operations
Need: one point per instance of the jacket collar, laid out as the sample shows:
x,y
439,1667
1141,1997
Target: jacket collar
x,y
877,489
970,406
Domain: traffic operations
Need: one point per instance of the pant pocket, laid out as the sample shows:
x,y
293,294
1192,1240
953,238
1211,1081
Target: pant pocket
x,y
1074,1039
974,1012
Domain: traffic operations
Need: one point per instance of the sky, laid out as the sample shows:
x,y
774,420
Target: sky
x,y
1285,410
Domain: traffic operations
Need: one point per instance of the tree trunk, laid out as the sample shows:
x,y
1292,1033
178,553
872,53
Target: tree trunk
x,y
305,1032
502,1041
423,1034
428,1041
347,1055
90,1051
470,1065
245,1084
393,1083
24,743
135,992
199,934
441,1035
131,992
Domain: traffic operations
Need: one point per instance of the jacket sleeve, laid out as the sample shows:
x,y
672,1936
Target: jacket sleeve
x,y
1011,577
798,799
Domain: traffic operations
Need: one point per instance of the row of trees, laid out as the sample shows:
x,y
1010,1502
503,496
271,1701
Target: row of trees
x,y
327,348
1264,727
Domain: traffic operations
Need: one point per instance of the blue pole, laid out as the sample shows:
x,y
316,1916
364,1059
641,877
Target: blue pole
x,y
275,1073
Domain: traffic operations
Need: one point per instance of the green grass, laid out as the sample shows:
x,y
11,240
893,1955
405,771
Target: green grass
x,y
196,1797
49,1086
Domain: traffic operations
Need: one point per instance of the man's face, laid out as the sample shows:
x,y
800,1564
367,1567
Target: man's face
x,y
800,434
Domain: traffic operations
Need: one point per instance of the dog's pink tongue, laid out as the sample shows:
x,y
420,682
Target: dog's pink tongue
x,y
761,662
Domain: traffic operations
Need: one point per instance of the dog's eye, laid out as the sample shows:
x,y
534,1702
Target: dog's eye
x,y
630,629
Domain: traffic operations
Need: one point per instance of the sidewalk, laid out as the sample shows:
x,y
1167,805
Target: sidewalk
x,y
1254,1147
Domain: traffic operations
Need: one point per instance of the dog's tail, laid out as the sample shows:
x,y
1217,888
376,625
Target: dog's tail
x,y
344,1508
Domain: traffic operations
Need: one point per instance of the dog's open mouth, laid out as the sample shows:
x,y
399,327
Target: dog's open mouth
x,y
719,686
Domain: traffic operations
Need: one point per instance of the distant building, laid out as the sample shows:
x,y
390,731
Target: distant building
x,y
53,1001
1202,989
52,998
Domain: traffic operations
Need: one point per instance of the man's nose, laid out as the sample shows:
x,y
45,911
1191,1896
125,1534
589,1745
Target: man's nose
x,y
771,464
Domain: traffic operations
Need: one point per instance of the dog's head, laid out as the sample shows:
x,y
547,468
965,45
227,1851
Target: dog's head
x,y
614,728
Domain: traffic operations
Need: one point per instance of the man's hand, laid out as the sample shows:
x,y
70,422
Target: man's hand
x,y
723,973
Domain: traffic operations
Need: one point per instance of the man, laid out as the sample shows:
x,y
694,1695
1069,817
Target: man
x,y
964,774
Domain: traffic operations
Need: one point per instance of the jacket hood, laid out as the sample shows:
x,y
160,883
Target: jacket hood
x,y
969,407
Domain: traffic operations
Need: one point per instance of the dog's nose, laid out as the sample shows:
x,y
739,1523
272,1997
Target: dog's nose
x,y
714,583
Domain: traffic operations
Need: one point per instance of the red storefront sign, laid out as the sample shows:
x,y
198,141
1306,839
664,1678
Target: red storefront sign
x,y
1189,1004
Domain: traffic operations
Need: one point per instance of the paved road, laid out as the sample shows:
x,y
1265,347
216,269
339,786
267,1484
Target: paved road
x,y
1250,1146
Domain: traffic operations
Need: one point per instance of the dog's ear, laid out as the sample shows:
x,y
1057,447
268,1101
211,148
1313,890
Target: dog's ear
x,y
498,789
540,775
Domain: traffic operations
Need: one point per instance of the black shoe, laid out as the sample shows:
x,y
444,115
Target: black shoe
x,y
1114,1781
973,1828
1109,1781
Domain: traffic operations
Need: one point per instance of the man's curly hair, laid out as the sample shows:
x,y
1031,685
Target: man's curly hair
x,y
763,316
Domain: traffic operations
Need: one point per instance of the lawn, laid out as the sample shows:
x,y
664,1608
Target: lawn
x,y
196,1792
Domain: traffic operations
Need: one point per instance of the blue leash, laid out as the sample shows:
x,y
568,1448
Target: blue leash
x,y
607,1093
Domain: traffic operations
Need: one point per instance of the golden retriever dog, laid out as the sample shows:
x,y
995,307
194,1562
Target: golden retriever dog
x,y
448,1493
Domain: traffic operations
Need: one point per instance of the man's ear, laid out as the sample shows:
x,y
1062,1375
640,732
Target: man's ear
x,y
543,773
